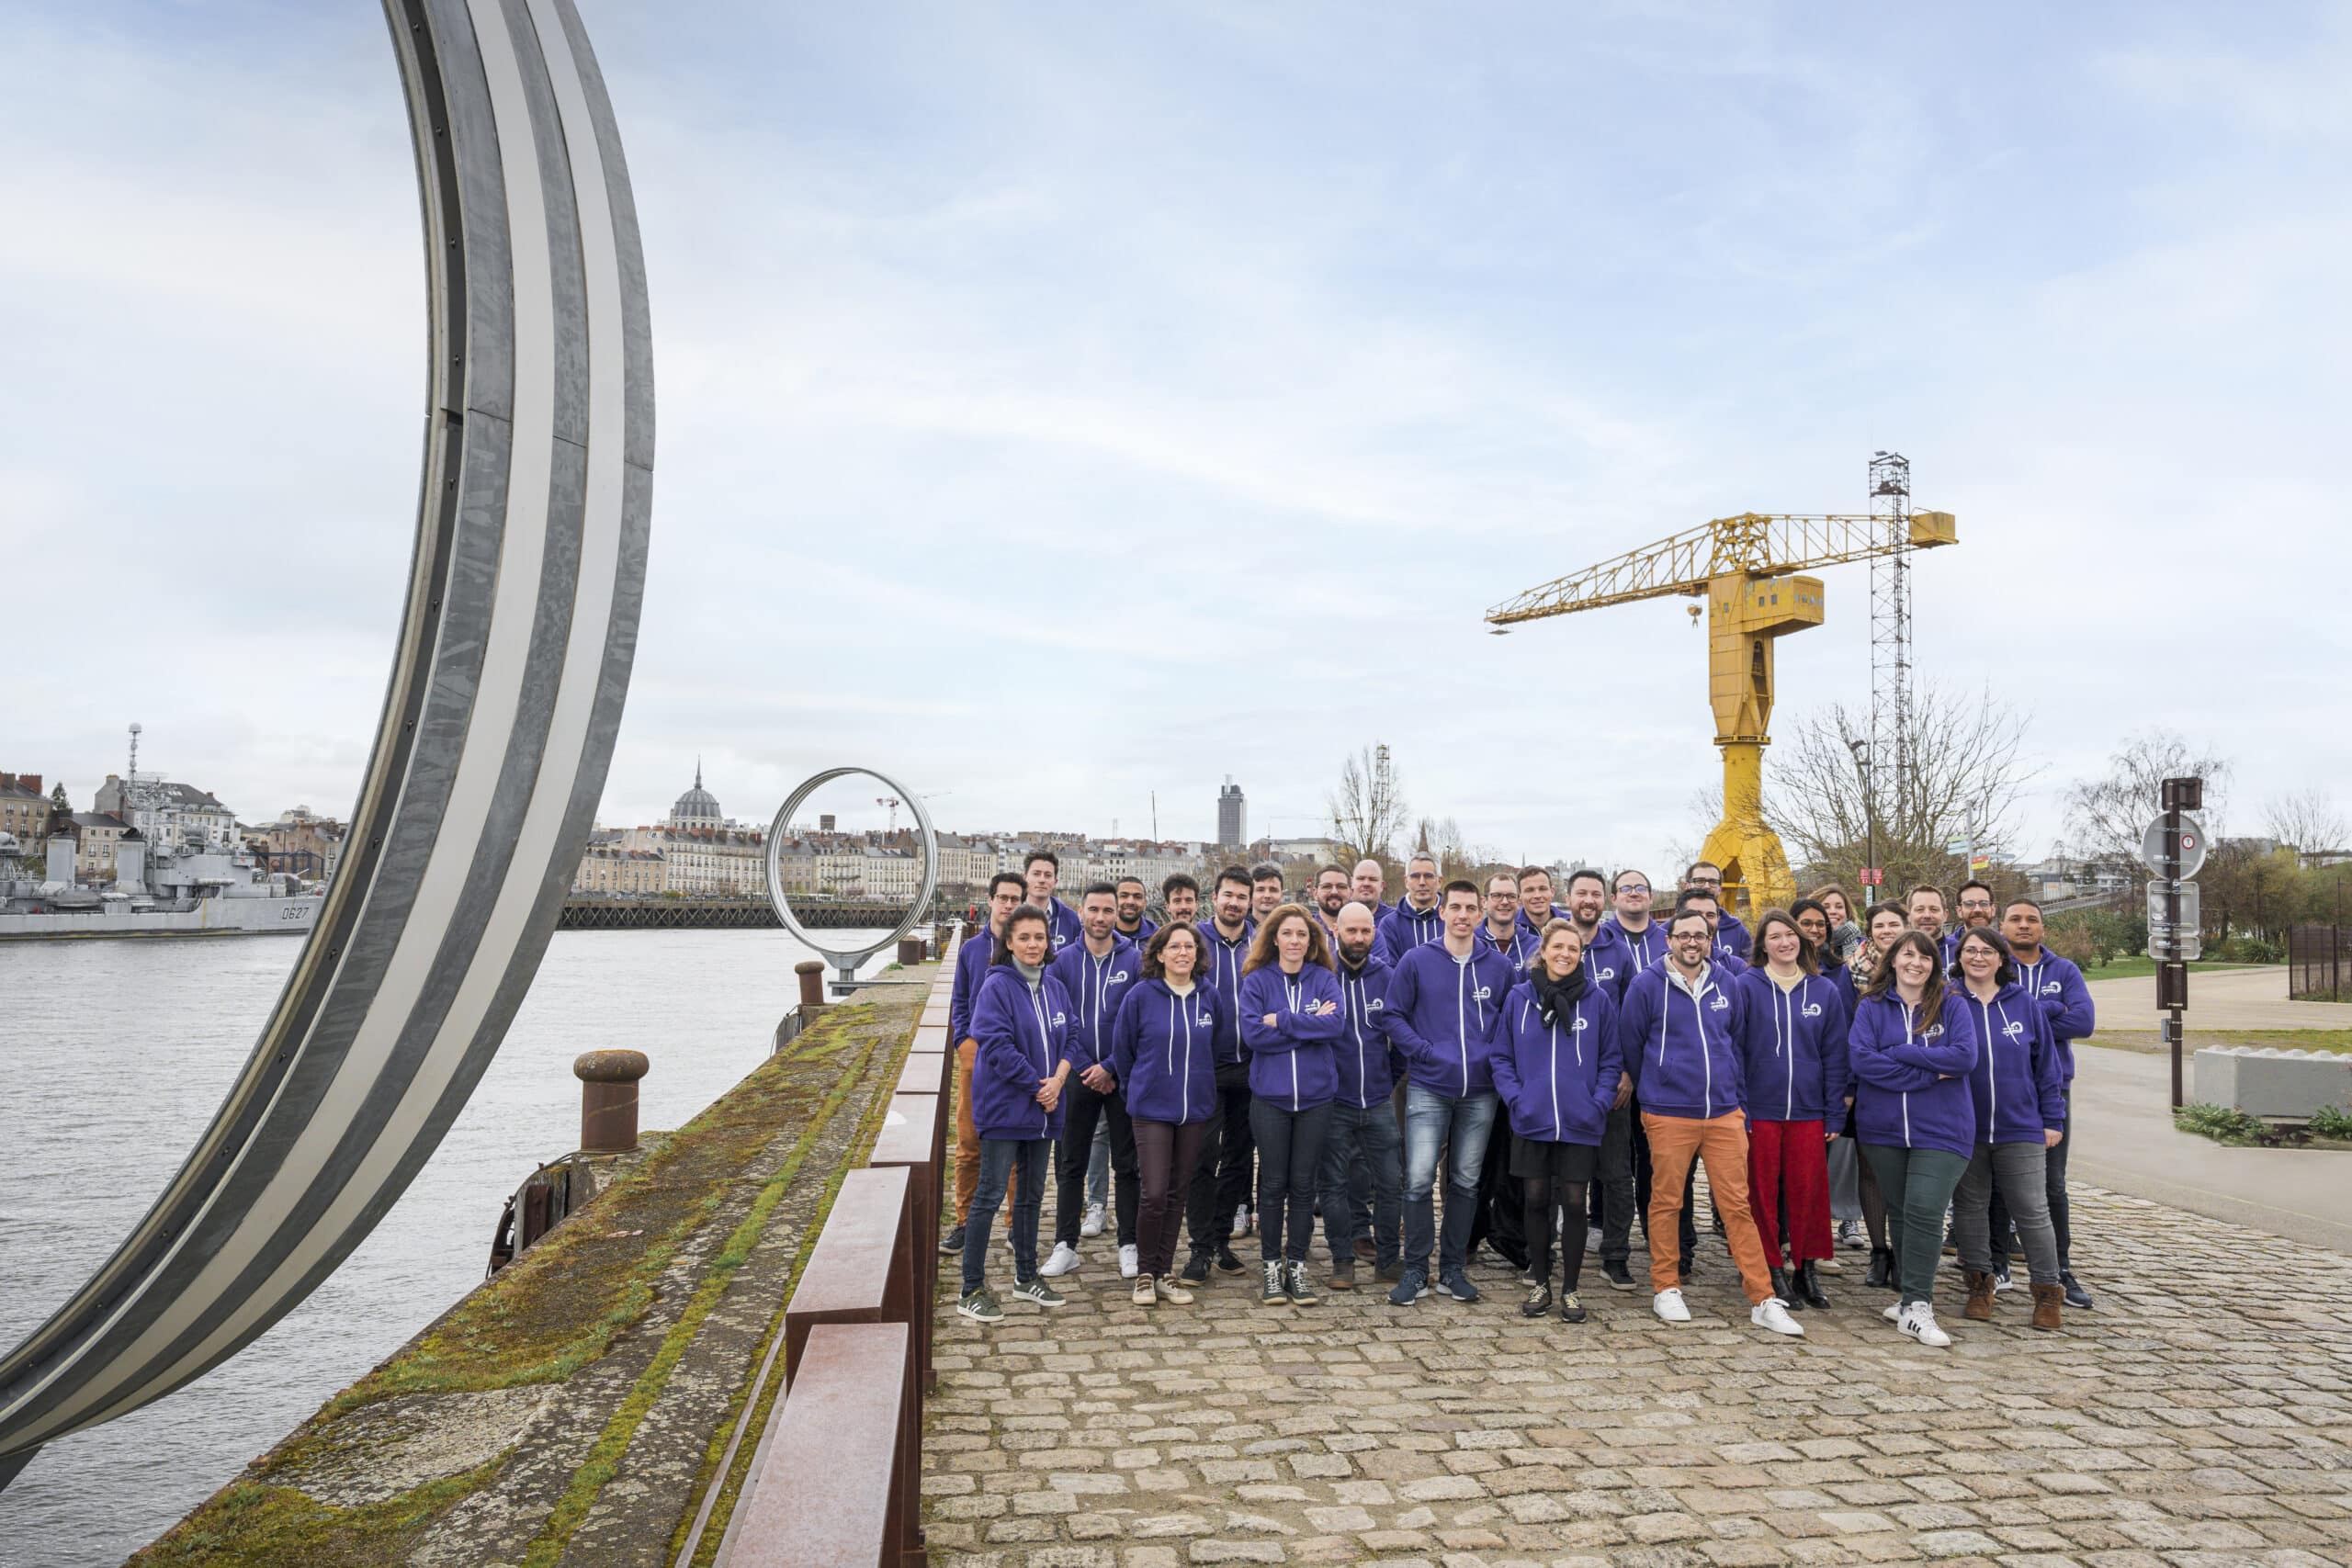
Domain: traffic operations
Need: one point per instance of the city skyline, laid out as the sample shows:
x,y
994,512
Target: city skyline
x,y
1502,301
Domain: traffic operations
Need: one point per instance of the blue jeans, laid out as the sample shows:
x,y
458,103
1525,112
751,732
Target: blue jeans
x,y
1432,1119
997,1158
1362,1135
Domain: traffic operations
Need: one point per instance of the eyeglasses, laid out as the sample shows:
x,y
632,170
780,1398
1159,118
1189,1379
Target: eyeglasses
x,y
1633,888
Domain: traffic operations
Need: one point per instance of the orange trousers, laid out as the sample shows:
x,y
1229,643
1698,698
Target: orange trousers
x,y
1721,1143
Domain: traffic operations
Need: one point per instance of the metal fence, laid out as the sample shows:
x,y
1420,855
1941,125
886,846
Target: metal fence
x,y
2319,964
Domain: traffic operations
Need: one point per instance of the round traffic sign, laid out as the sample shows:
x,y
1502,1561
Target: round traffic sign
x,y
2192,846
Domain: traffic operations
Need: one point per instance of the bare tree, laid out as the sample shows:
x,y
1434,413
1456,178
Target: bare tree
x,y
2107,815
1827,801
1443,840
2309,820
1368,810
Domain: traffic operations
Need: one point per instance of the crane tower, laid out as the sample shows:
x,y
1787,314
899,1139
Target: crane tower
x,y
1749,571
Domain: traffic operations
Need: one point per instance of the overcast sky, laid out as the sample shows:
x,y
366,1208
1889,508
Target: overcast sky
x,y
1183,384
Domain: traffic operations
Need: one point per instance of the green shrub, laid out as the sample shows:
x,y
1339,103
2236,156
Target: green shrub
x,y
2222,1124
2256,950
2332,1122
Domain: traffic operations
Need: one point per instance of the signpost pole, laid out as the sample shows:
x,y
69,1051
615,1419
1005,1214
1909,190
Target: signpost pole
x,y
2172,971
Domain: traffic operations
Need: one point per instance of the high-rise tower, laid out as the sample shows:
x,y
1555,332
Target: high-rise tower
x,y
1232,817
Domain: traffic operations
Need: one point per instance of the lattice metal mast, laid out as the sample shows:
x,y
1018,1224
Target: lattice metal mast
x,y
1891,762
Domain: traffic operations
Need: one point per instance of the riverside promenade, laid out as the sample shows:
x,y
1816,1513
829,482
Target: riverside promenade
x,y
2201,1416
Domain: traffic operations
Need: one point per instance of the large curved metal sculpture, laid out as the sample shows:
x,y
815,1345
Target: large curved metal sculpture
x,y
507,691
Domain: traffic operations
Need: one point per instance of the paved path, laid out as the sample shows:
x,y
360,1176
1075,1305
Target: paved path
x,y
2124,1139
2218,999
2204,1416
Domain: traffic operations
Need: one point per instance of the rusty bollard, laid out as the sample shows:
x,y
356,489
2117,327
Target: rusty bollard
x,y
910,951
812,986
608,1099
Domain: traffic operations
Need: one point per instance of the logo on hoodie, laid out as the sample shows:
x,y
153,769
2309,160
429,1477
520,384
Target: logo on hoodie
x,y
1376,1004
1207,1019
1119,978
1578,1026
2051,987
1481,993
1933,1031
1812,1010
1604,974
1721,1003
1060,1022
2013,1029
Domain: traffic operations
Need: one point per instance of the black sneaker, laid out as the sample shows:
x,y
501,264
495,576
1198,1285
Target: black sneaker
x,y
953,1241
1411,1286
1538,1301
1620,1276
2077,1297
1392,1270
1457,1284
1571,1309
1227,1263
1196,1270
1296,1285
1272,1294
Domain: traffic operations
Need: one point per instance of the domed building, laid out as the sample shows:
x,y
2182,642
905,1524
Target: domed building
x,y
697,807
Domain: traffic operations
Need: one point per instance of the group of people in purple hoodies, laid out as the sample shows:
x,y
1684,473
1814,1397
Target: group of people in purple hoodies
x,y
1545,1063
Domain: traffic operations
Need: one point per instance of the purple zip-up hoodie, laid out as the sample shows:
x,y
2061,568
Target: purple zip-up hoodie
x,y
1406,928
1681,1047
1291,1065
1641,951
1442,1014
1023,1035
2058,986
1911,1076
1558,1079
1793,1044
1369,1063
2016,1082
1161,1051
1220,969
1096,986
972,961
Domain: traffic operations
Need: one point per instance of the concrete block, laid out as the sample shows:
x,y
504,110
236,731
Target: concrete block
x,y
2271,1082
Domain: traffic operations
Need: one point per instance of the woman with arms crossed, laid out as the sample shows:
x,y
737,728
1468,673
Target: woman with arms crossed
x,y
1022,1022
1163,1052
1290,1021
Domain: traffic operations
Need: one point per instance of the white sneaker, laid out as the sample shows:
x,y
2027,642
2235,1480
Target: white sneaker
x,y
1063,1261
1092,1225
1127,1261
1668,1306
1769,1314
2003,1282
1241,1221
1918,1321
1894,1314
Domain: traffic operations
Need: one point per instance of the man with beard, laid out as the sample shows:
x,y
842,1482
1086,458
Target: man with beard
x,y
1609,1200
1364,1126
1179,896
1133,924
1976,911
1731,936
1330,897
1221,1181
1642,938
1416,917
1501,1215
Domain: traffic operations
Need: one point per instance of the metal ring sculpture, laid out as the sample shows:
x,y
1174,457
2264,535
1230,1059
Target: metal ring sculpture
x,y
847,963
506,690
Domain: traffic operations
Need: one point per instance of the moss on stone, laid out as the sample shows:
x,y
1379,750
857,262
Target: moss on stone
x,y
250,1522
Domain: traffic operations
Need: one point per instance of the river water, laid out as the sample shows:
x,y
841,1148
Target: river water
x,y
117,1052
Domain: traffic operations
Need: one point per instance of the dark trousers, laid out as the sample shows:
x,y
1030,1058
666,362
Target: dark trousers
x,y
1290,1157
1082,1108
1221,1181
1500,1220
1166,1155
2054,1164
1918,1184
1364,1138
1548,1211
1616,1182
1000,1158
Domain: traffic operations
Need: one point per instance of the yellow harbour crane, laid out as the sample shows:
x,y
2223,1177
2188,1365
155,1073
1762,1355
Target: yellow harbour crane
x,y
1748,568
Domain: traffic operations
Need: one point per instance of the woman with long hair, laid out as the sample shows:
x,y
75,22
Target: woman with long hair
x,y
1792,1039
1912,1053
2021,1098
1556,1062
1846,933
1163,1052
1882,922
1291,1022
1021,1020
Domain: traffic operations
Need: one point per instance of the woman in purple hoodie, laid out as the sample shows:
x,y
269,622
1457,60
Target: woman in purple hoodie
x,y
1912,1052
1557,1065
1291,1022
1021,1020
2021,1098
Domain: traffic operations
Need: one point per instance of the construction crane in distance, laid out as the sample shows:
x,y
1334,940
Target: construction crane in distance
x,y
1748,570
893,802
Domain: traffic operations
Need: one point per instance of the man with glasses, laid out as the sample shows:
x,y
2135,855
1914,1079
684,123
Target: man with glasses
x,y
1644,939
1731,936
1976,911
1416,918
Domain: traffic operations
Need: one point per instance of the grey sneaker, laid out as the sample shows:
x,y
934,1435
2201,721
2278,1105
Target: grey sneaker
x,y
1035,1289
1571,1309
1272,1294
980,1307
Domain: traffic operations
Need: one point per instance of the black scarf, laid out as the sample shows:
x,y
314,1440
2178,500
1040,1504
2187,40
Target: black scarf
x,y
1556,996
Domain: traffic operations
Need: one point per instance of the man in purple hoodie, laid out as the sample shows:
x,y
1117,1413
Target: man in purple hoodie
x,y
972,961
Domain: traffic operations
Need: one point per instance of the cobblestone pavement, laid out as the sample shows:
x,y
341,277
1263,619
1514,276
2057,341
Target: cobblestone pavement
x,y
2201,1416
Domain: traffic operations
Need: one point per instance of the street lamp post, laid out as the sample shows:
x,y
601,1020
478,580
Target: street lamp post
x,y
1862,749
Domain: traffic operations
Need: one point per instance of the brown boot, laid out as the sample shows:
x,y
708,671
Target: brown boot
x,y
2047,1299
1979,1297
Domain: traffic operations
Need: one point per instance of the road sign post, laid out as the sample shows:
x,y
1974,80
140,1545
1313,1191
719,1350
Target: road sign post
x,y
2173,848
